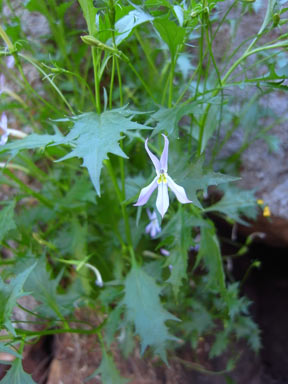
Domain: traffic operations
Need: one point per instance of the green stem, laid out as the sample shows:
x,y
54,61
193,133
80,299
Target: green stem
x,y
112,82
171,78
119,81
142,81
123,207
95,59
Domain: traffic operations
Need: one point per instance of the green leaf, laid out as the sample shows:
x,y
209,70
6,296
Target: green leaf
x,y
7,219
179,229
220,344
89,13
30,142
108,371
144,309
16,375
7,349
210,253
194,178
168,118
93,136
171,34
127,23
235,203
45,290
9,293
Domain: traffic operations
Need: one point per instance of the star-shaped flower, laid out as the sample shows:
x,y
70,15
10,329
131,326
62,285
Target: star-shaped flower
x,y
162,181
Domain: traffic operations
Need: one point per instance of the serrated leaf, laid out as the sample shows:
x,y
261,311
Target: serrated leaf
x,y
7,219
235,203
220,344
195,178
93,136
179,228
168,118
16,375
7,349
9,294
144,309
45,289
210,253
108,371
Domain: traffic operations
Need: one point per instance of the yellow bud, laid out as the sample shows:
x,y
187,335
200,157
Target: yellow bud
x,y
260,202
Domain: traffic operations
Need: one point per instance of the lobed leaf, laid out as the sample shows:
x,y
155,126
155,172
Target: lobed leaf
x,y
17,375
144,309
93,136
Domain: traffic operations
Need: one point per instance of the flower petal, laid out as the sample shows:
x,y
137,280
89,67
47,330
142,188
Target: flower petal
x,y
4,138
162,202
3,122
146,193
153,158
164,156
178,191
148,228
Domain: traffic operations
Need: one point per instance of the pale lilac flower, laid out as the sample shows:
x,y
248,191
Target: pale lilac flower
x,y
10,61
164,252
153,228
162,181
4,129
2,83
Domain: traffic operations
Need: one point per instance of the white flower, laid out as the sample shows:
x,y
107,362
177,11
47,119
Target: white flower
x,y
5,131
162,181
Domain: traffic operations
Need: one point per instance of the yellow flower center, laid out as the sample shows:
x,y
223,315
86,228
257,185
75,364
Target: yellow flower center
x,y
162,179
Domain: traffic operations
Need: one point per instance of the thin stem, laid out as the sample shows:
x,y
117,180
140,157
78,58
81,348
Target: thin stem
x,y
32,61
119,81
112,82
142,81
171,78
95,59
123,207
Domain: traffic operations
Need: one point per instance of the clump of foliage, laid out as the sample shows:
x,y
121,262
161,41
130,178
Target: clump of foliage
x,y
111,74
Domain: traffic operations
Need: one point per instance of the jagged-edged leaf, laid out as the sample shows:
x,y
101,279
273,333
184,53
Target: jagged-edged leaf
x,y
7,219
171,34
179,229
108,371
168,118
46,290
17,375
9,293
235,203
7,349
127,23
144,309
194,178
30,142
93,136
211,255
